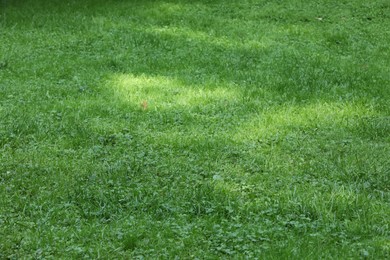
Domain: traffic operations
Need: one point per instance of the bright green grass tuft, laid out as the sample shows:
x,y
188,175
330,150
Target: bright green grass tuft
x,y
195,129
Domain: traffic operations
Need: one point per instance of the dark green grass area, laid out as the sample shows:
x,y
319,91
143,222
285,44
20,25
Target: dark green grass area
x,y
195,129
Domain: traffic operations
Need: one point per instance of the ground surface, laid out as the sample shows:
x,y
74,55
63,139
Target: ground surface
x,y
195,129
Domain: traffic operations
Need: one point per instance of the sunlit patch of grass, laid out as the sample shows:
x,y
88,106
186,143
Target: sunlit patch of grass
x,y
162,93
222,41
314,116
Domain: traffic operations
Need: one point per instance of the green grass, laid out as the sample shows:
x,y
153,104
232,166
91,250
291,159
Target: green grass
x,y
195,129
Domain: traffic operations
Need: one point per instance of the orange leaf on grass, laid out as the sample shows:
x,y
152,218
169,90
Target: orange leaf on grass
x,y
144,105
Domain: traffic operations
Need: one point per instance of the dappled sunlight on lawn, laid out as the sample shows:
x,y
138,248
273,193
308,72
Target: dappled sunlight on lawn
x,y
194,129
317,115
210,39
160,93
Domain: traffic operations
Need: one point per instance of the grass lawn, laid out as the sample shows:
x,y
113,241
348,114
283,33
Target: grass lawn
x,y
195,129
